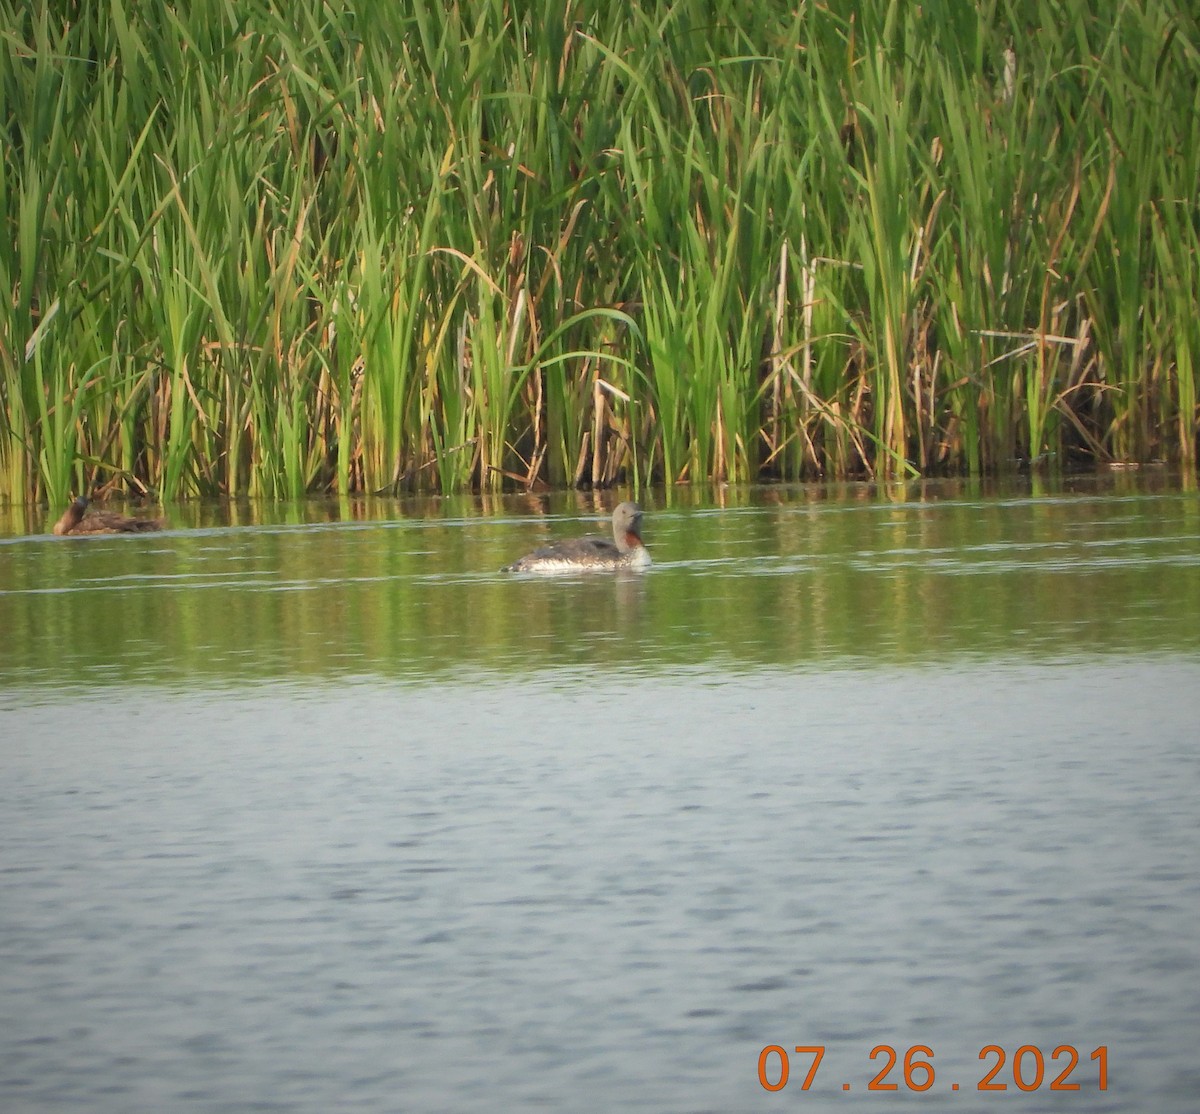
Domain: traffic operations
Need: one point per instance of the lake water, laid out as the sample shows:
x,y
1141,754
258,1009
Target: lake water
x,y
311,809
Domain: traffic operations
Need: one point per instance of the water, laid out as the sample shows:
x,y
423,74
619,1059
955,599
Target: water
x,y
309,815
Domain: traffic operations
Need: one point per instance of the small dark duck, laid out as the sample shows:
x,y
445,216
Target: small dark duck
x,y
75,521
593,553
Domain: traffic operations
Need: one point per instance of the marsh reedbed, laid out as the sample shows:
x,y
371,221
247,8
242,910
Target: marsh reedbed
x,y
276,249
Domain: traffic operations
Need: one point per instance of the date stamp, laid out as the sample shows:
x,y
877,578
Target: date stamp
x,y
1027,1068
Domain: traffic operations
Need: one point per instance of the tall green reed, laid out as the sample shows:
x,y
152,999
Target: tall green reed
x,y
278,249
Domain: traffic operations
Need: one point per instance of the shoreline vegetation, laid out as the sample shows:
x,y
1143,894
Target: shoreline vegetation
x,y
267,250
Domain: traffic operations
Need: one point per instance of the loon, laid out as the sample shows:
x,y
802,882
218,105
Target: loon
x,y
625,551
74,521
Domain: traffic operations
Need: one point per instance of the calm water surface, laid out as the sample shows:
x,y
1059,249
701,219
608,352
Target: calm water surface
x,y
313,810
